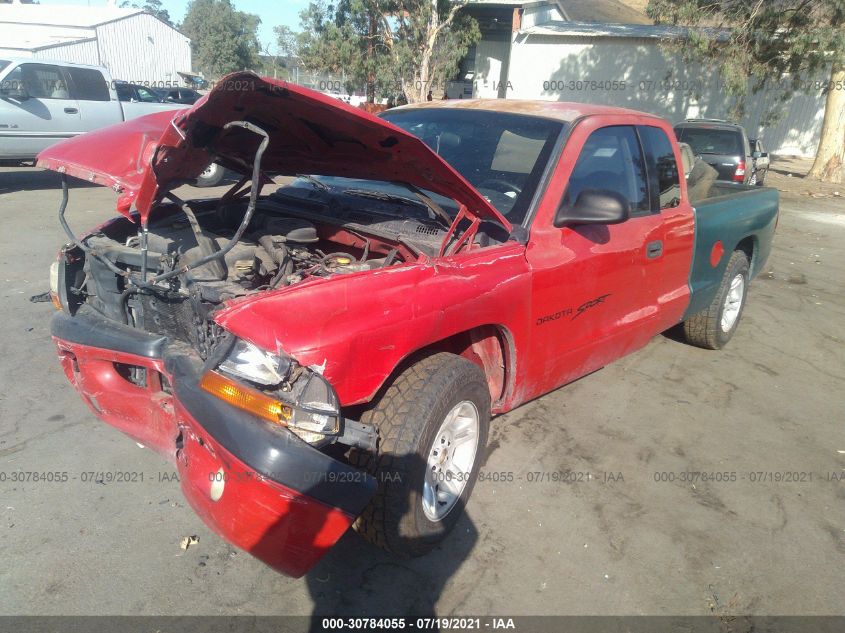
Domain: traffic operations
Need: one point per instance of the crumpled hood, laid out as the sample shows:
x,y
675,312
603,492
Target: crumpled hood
x,y
310,133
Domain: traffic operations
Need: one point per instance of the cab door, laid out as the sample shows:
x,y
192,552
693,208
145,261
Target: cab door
x,y
96,106
37,110
592,301
668,275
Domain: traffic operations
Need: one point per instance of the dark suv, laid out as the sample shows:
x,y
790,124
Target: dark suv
x,y
725,147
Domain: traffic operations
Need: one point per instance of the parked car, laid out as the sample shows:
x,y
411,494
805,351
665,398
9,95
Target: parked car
x,y
42,102
332,352
185,96
760,160
724,146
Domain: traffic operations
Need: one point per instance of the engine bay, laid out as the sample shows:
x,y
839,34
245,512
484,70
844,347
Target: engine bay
x,y
277,249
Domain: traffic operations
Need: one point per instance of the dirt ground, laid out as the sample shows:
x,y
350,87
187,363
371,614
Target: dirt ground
x,y
630,538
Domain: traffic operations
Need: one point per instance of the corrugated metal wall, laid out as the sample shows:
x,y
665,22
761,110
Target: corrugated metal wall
x,y
143,49
636,73
84,52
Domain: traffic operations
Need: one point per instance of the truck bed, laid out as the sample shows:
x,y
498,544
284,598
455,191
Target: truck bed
x,y
742,216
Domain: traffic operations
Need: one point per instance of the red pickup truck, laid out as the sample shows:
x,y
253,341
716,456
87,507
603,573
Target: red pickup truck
x,y
332,352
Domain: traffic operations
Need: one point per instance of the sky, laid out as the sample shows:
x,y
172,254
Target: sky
x,y
271,12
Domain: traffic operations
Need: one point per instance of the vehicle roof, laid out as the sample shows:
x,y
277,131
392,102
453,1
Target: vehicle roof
x,y
53,62
560,110
710,124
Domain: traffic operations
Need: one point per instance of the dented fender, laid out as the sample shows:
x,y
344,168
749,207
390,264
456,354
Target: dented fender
x,y
360,327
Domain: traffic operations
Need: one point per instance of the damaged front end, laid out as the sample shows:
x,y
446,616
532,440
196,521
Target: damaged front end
x,y
246,428
261,440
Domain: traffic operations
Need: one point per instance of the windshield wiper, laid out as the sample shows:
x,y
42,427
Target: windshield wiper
x,y
317,184
381,195
421,200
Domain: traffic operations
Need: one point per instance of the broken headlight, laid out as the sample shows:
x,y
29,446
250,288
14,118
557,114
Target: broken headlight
x,y
245,360
302,400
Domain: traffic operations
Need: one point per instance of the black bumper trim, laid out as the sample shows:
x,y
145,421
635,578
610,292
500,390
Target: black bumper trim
x,y
275,453
90,328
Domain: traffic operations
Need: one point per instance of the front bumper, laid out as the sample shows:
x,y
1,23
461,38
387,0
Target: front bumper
x,y
259,487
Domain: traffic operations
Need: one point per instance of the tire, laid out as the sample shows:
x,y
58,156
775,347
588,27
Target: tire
x,y
211,177
714,327
410,419
753,180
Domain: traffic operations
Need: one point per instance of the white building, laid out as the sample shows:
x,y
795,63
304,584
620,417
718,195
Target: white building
x,y
133,45
566,51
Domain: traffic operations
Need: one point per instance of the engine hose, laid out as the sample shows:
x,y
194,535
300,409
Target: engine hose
x,y
253,200
285,269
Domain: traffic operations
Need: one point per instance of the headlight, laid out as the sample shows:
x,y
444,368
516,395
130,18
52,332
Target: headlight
x,y
303,400
54,285
253,363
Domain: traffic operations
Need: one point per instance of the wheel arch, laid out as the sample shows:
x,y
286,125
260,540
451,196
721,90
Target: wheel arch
x,y
489,346
749,246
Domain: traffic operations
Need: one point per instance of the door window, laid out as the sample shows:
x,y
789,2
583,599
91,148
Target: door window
x,y
611,160
662,168
124,92
89,84
43,81
146,95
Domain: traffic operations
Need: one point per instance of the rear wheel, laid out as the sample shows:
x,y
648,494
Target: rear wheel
x,y
432,424
714,327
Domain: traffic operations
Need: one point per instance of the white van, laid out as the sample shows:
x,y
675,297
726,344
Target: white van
x,y
42,102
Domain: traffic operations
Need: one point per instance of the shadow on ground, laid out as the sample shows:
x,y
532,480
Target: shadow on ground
x,y
35,179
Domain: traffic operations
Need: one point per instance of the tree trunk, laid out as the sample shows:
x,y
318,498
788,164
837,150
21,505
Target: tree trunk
x,y
371,80
830,157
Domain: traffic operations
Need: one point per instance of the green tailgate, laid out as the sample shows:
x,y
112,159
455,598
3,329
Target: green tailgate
x,y
738,215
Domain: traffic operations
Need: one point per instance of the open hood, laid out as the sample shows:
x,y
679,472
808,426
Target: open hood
x,y
309,132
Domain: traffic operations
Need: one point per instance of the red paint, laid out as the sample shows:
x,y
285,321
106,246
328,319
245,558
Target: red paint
x,y
363,325
716,253
285,529
144,413
540,315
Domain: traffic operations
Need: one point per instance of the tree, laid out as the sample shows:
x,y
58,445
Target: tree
x,y
391,46
772,44
429,40
286,43
153,7
223,39
339,40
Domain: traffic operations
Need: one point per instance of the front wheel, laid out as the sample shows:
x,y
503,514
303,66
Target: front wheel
x,y
211,176
432,423
714,327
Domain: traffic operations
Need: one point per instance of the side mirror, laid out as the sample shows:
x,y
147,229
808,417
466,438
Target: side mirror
x,y
594,206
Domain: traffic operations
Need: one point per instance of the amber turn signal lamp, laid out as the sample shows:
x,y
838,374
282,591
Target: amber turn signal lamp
x,y
246,398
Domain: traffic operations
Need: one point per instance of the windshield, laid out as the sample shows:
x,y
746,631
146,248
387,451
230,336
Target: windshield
x,y
502,155
3,64
711,141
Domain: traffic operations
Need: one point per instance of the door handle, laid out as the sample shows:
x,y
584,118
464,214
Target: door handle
x,y
654,249
71,111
